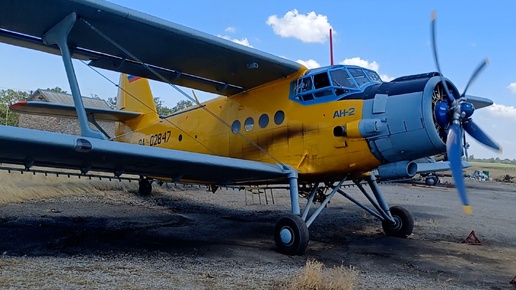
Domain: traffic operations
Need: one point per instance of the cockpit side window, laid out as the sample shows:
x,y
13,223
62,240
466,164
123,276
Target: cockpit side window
x,y
321,80
304,84
373,76
359,76
341,78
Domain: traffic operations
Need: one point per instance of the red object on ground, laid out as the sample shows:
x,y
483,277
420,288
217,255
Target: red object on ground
x,y
472,239
513,281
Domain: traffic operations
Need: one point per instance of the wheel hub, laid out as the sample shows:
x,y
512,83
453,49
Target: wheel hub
x,y
286,236
397,223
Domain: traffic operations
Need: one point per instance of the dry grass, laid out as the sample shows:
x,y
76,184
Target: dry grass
x,y
17,187
316,276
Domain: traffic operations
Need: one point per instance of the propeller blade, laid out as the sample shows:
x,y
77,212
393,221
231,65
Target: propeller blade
x,y
454,150
475,74
480,136
436,59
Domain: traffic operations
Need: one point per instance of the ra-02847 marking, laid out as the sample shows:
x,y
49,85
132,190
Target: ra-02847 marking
x,y
344,113
156,139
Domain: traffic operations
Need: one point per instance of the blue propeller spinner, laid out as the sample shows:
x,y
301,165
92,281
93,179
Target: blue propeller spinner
x,y
455,115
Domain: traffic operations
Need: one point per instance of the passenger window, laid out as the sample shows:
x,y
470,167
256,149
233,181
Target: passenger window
x,y
249,124
279,117
235,128
263,121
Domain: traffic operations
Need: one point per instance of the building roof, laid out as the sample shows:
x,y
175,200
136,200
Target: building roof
x,y
63,98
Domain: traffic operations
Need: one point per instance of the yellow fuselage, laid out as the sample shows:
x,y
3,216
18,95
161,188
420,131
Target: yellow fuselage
x,y
303,140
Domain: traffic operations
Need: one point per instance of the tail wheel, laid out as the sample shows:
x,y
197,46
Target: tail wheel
x,y
403,223
145,186
291,235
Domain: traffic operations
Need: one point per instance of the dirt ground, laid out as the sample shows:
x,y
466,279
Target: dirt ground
x,y
194,239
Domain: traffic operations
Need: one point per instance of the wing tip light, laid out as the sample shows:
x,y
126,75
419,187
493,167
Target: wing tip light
x,y
468,209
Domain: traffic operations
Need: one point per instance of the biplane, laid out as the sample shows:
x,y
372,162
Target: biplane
x,y
275,122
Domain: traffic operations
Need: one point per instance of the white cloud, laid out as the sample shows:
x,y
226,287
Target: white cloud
x,y
309,63
498,111
230,29
512,88
242,41
361,62
366,64
307,28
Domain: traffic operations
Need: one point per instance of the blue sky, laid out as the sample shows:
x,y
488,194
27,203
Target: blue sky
x,y
392,37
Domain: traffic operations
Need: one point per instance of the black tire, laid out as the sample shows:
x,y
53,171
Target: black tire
x,y
431,181
144,187
291,235
403,226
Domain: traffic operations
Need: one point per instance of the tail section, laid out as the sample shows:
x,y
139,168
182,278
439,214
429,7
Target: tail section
x,y
134,94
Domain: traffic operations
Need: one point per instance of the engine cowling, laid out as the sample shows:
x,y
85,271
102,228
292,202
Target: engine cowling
x,y
399,120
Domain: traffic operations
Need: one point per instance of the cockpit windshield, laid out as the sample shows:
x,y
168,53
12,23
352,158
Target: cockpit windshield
x,y
331,83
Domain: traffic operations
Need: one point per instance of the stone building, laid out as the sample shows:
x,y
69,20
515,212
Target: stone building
x,y
58,124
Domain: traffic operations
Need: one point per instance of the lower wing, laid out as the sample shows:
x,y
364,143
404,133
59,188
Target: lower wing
x,y
38,148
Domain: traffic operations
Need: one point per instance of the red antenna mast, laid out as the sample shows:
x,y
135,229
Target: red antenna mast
x,y
331,47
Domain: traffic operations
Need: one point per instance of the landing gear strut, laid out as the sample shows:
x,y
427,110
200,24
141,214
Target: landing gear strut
x,y
291,232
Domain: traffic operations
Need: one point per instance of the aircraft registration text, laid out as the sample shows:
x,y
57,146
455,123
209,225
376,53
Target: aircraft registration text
x,y
156,139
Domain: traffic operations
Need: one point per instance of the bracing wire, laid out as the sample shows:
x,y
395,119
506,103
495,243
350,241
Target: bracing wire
x,y
163,79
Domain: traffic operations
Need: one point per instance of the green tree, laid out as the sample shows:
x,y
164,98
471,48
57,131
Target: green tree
x,y
57,90
161,109
183,104
7,98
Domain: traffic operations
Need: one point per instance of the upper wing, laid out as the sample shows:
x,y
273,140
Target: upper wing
x,y
182,55
33,147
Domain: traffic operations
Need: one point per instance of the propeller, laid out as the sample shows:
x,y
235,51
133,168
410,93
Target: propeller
x,y
455,114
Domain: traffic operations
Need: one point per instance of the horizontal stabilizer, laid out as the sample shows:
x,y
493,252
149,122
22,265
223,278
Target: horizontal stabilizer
x,y
69,111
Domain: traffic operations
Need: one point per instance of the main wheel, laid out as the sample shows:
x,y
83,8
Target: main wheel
x,y
431,181
291,235
403,226
144,186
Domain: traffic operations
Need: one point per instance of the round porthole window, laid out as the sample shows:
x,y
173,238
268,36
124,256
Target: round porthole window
x,y
249,124
263,121
235,128
279,117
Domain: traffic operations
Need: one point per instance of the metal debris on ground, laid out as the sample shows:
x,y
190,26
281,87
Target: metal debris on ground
x,y
472,239
479,176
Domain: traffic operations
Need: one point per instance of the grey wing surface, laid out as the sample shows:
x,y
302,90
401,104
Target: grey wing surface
x,y
117,38
38,148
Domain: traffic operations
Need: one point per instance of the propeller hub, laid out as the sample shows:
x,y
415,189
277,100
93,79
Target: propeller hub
x,y
466,110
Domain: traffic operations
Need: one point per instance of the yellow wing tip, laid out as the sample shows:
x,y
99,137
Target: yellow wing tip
x,y
468,209
434,15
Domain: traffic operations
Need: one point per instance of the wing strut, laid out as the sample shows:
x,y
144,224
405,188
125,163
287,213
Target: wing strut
x,y
59,35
